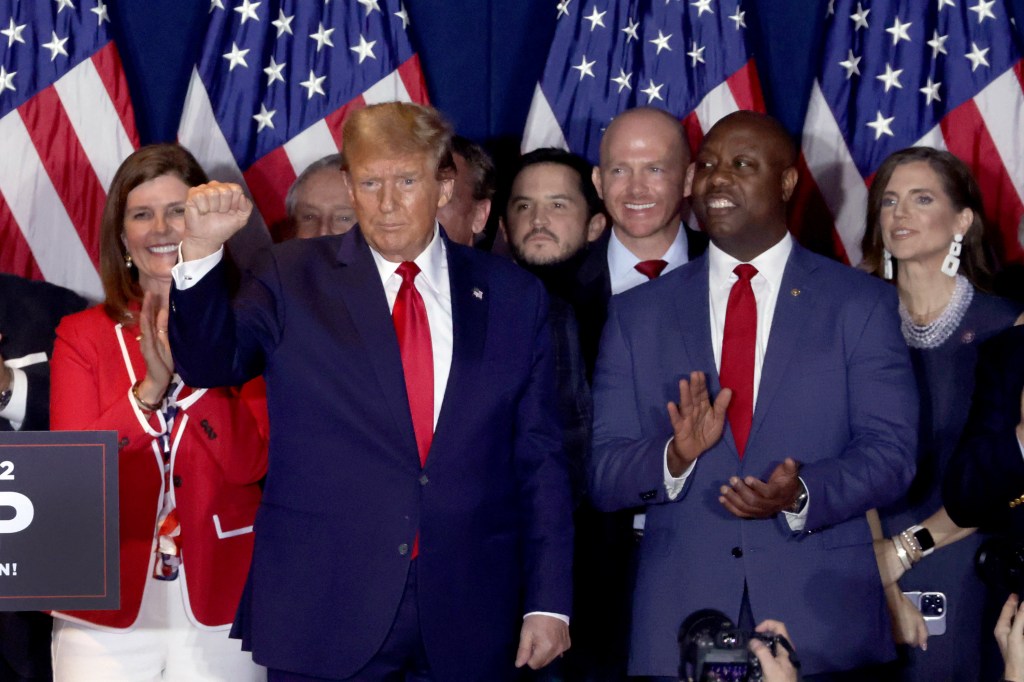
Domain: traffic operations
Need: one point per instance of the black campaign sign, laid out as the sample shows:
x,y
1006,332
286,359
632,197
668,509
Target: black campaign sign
x,y
58,520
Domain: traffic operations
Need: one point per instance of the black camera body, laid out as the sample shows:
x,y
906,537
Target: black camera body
x,y
712,649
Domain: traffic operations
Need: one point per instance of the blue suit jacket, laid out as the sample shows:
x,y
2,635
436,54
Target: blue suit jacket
x,y
836,393
345,494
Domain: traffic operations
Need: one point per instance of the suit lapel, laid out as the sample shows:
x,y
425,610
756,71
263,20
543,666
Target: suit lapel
x,y
793,308
694,319
470,304
360,289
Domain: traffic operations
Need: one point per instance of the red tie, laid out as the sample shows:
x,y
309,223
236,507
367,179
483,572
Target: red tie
x,y
738,342
650,268
410,317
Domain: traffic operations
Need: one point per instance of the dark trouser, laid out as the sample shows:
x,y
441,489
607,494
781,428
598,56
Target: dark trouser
x,y
401,657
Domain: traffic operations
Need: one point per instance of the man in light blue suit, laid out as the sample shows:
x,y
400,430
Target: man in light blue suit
x,y
755,499
416,521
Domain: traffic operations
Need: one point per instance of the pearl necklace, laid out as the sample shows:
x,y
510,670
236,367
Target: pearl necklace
x,y
936,332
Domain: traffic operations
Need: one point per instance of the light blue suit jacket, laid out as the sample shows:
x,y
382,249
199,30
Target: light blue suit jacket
x,y
836,393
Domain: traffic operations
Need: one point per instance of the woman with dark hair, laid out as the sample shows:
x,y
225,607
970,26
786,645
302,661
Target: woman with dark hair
x,y
189,459
926,233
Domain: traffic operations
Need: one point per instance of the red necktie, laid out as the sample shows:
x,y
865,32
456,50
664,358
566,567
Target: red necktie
x,y
738,342
650,268
410,317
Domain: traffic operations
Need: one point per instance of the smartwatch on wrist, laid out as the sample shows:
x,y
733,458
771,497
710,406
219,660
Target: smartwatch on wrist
x,y
924,539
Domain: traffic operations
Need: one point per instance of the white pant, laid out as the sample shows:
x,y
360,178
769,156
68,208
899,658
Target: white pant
x,y
163,647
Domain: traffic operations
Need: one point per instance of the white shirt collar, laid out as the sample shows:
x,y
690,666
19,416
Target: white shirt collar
x,y
431,262
621,261
770,264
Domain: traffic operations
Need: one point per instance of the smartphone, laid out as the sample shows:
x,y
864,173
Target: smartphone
x,y
932,606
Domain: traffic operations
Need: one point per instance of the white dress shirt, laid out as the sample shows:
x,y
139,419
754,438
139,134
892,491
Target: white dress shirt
x,y
770,265
14,412
622,263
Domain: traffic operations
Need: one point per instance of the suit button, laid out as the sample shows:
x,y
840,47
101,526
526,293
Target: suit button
x,y
737,552
403,549
177,481
424,480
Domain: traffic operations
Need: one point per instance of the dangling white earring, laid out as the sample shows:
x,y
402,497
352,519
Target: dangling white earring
x,y
952,262
887,273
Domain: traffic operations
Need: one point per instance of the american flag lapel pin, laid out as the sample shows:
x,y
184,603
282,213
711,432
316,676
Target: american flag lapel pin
x,y
478,294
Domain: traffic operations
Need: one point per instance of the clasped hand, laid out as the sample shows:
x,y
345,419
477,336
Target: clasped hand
x,y
213,213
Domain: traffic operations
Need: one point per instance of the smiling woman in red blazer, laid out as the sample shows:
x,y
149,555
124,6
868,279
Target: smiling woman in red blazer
x,y
189,460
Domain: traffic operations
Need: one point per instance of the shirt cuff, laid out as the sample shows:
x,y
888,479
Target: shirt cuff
x,y
16,406
188,273
559,616
674,484
797,522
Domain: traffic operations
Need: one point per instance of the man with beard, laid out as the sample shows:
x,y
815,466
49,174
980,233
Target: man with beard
x,y
551,217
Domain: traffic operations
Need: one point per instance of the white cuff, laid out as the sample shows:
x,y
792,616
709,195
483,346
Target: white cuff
x,y
187,273
797,522
16,406
674,484
564,619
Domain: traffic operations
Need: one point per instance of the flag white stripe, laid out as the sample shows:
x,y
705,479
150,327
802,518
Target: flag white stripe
x,y
835,173
933,138
311,144
199,132
390,88
95,119
37,208
716,104
542,129
1001,104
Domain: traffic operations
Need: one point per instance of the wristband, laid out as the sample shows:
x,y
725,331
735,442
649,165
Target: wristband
x,y
901,554
150,407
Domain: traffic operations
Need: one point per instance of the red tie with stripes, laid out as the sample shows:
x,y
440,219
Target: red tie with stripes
x,y
650,268
738,341
410,317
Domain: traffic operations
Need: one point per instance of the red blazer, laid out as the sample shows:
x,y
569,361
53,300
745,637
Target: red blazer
x,y
218,456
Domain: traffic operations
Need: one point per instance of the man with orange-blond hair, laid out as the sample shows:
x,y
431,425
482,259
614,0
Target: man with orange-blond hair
x,y
416,522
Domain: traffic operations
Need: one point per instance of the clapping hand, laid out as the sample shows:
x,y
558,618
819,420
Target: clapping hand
x,y
696,423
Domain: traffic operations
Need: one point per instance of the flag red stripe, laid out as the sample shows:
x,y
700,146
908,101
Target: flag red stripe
x,y
336,118
967,136
810,219
67,165
694,133
746,87
108,65
412,76
1018,71
15,256
268,180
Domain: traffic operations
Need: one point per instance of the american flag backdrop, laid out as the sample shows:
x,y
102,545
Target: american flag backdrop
x,y
66,123
276,79
942,73
689,58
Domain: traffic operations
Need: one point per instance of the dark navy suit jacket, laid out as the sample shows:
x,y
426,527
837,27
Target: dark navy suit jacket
x,y
986,474
836,393
590,299
29,314
345,494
